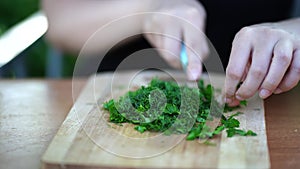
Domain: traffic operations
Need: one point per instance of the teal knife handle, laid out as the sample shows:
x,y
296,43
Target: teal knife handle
x,y
183,57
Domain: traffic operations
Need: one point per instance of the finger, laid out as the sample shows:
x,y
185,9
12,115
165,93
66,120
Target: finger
x,y
292,77
234,102
194,51
153,38
171,42
246,71
196,44
197,50
168,47
165,37
239,57
282,56
196,40
194,67
171,50
261,57
152,31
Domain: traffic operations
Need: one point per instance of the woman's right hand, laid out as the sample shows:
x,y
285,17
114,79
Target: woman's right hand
x,y
171,22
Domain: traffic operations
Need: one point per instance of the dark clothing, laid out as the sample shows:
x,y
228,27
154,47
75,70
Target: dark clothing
x,y
224,20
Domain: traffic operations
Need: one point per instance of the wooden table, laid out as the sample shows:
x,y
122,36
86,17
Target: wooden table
x,y
31,112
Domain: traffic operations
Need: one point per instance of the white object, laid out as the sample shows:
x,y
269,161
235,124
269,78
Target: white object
x,y
21,36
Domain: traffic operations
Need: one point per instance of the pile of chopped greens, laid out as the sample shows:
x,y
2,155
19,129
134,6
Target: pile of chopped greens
x,y
158,107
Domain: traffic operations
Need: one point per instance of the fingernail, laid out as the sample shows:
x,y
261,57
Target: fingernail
x,y
193,75
264,93
277,91
237,96
228,100
234,103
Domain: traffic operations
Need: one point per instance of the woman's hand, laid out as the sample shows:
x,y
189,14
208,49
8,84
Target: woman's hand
x,y
172,22
266,58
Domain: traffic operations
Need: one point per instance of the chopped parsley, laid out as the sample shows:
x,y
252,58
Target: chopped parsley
x,y
159,107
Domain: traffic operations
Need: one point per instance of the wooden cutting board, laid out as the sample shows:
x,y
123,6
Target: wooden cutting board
x,y
87,140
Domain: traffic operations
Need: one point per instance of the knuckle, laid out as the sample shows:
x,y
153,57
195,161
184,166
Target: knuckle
x,y
194,16
280,51
244,34
295,66
229,90
286,87
278,32
172,61
192,12
245,31
296,69
267,32
283,58
258,72
233,74
193,44
273,34
246,93
270,85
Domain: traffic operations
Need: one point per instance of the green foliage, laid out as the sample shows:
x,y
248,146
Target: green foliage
x,y
231,124
159,107
13,12
35,59
68,65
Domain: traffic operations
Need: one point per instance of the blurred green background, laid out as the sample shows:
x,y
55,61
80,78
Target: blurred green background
x,y
34,58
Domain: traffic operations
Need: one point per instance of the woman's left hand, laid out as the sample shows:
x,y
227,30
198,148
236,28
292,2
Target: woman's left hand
x,y
266,58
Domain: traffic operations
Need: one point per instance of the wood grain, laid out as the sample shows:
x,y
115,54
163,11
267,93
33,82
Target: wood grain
x,y
283,129
21,148
86,140
31,112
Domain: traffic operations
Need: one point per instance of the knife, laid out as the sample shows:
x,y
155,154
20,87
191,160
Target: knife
x,y
217,117
21,36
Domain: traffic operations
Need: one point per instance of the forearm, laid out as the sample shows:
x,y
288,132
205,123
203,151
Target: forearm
x,y
72,22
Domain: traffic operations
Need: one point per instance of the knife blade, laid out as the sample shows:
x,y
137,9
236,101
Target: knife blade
x,y
183,57
21,36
